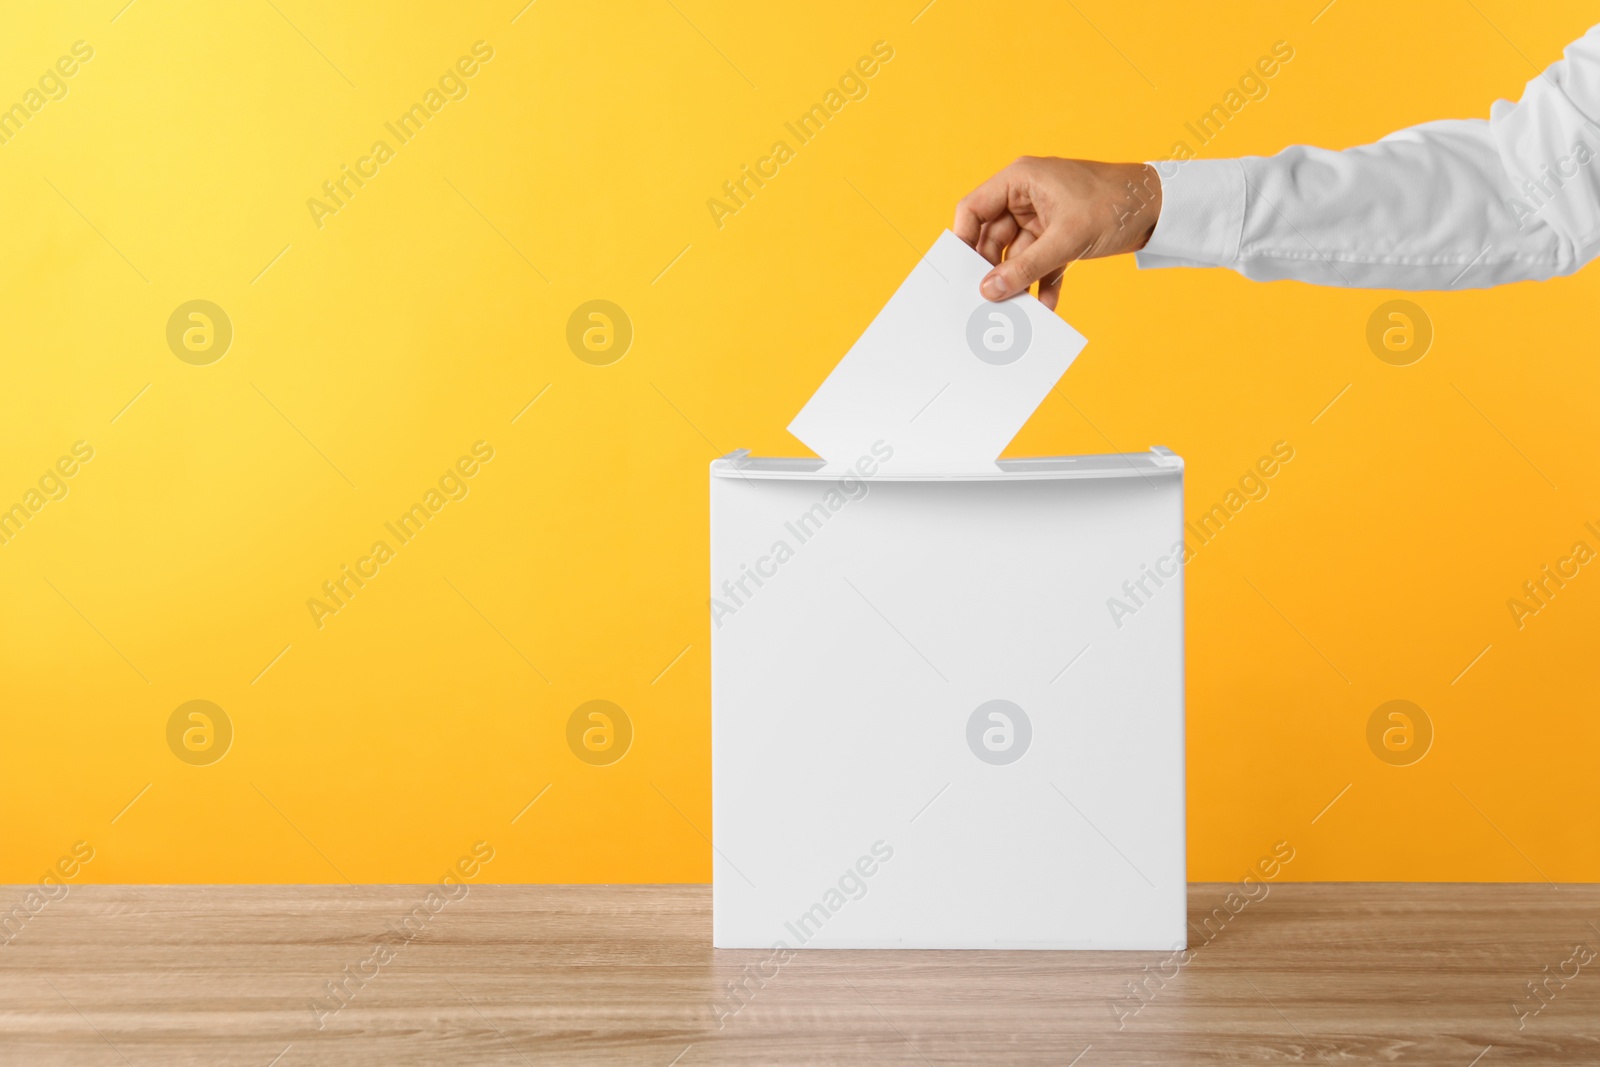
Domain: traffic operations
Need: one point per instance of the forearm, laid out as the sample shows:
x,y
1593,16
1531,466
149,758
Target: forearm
x,y
1446,205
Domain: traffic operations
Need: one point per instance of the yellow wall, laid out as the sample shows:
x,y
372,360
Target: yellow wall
x,y
424,315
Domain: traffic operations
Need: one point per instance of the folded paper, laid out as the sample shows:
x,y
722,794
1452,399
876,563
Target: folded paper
x,y
942,375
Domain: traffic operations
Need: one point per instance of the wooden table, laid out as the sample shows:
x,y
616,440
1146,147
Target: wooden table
x,y
239,975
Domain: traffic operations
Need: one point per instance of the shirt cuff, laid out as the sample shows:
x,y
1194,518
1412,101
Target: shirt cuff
x,y
1202,214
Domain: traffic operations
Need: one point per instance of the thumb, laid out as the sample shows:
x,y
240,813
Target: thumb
x,y
1049,253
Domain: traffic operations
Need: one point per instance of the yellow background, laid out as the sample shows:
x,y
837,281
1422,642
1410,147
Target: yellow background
x,y
416,321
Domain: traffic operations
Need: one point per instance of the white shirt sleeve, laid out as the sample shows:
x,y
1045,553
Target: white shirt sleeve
x,y
1457,204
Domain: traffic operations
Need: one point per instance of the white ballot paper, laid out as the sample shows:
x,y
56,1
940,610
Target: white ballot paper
x,y
942,375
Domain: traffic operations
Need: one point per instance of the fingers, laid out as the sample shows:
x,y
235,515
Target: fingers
x,y
989,202
1050,288
1020,245
1047,254
996,236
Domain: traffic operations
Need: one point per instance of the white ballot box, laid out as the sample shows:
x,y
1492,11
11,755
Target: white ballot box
x,y
947,704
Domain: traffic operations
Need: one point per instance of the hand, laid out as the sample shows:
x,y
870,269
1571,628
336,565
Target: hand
x,y
1043,215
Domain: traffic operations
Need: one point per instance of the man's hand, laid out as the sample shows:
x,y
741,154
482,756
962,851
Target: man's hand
x,y
1045,214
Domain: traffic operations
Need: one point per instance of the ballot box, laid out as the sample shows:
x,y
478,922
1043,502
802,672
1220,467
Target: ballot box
x,y
947,704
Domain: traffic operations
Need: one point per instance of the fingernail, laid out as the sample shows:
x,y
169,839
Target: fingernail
x,y
993,287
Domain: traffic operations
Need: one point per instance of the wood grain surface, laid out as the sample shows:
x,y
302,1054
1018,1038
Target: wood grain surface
x,y
1332,974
